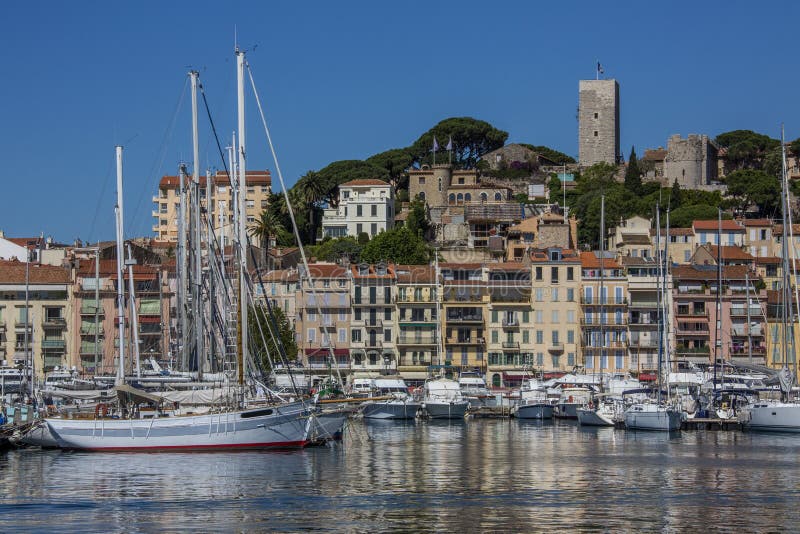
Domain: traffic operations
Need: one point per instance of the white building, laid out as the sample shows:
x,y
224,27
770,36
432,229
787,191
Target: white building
x,y
10,250
364,206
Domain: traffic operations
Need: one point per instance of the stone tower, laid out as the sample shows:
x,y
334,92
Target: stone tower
x,y
598,122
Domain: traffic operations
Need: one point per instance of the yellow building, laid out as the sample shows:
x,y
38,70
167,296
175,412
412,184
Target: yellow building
x,y
44,319
166,203
417,321
464,310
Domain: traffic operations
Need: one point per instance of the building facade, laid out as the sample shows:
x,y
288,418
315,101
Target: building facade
x,y
365,206
598,122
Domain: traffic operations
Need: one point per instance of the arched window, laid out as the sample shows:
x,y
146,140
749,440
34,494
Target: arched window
x,y
452,198
421,195
467,197
496,380
498,196
460,198
484,197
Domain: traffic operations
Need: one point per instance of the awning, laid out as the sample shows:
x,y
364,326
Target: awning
x,y
414,375
555,374
149,319
647,377
336,352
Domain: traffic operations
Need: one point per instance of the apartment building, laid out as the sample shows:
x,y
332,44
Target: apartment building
x,y
695,298
463,289
758,238
43,323
729,232
509,324
555,286
418,333
681,243
219,203
373,346
280,286
604,326
323,317
644,334
365,206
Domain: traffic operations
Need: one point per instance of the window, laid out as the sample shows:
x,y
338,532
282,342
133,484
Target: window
x,y
421,195
570,336
595,133
619,360
359,209
326,283
570,294
452,198
467,197
570,274
222,188
440,185
251,218
461,181
342,335
312,335
539,294
554,335
387,314
595,115
498,197
250,203
312,315
355,336
459,198
539,358
421,180
373,210
540,336
494,316
526,336
484,197
554,317
539,315
342,314
571,316
359,228
538,273
554,294
163,222
387,335
373,229
526,316
163,208
494,336
554,275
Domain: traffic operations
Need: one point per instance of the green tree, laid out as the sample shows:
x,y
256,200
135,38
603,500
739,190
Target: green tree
x,y
266,226
396,163
633,175
471,138
339,172
682,217
676,195
794,146
264,347
751,188
363,238
417,220
554,156
746,148
554,186
398,245
336,249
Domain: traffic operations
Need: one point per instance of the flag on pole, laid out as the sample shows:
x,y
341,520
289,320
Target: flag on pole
x,y
450,143
599,70
435,144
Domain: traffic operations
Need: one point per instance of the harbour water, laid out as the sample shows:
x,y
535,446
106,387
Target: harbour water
x,y
421,476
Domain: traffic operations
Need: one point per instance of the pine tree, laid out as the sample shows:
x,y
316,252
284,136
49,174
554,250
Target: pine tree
x,y
633,174
676,196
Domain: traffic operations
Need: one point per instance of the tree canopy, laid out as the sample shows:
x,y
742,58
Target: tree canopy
x,y
471,138
559,158
754,189
398,245
395,162
746,148
633,175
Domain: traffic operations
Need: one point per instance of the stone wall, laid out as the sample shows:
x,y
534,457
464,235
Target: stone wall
x,y
598,122
691,161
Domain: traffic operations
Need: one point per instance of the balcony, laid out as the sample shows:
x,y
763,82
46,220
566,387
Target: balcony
x,y
611,345
90,330
466,341
608,322
324,302
643,343
374,322
90,308
643,304
378,301
510,345
54,322
742,331
684,331
692,351
742,351
472,297
465,318
416,340
510,323
418,321
54,344
685,313
2,325
556,347
22,325
608,301
373,343
741,311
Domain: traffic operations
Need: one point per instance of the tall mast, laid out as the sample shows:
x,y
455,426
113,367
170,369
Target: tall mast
x,y
747,303
242,156
791,308
120,275
211,286
134,317
182,268
659,299
196,261
602,281
665,299
96,305
786,289
28,321
718,322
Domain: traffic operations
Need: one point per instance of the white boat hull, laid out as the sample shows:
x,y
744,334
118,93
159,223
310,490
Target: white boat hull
x,y
536,410
591,417
567,410
446,410
772,417
390,409
285,426
653,418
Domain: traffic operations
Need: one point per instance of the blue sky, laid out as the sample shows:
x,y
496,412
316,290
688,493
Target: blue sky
x,y
345,80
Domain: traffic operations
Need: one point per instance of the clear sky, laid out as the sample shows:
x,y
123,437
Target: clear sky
x,y
345,80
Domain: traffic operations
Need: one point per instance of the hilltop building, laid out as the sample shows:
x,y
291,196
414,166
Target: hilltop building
x,y
365,206
598,122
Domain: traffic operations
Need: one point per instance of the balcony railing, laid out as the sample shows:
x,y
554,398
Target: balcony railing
x,y
369,322
54,322
743,331
607,301
511,345
510,323
416,340
452,318
643,343
742,351
53,343
556,347
466,341
368,301
609,321
691,313
741,311
373,343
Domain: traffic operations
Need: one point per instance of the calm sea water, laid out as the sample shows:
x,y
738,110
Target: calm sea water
x,y
425,476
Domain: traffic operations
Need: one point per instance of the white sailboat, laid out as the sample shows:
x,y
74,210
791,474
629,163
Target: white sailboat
x,y
145,424
783,415
656,414
443,400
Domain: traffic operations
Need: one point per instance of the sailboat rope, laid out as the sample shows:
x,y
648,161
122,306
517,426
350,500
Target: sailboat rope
x,y
326,336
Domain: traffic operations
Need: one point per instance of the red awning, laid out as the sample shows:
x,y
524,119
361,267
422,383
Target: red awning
x,y
149,319
647,377
557,374
336,352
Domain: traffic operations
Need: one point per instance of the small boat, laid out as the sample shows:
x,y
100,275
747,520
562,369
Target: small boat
x,y
600,412
473,388
442,399
395,401
771,416
571,399
652,416
534,402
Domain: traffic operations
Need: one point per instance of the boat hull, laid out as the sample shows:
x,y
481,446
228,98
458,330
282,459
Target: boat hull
x,y
538,410
446,410
777,417
663,419
590,417
40,436
567,410
286,426
390,410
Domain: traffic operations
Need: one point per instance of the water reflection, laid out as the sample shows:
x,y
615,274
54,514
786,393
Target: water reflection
x,y
421,476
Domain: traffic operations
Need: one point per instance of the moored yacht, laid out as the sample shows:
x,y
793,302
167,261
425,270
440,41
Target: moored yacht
x,y
652,416
571,399
443,399
534,402
392,400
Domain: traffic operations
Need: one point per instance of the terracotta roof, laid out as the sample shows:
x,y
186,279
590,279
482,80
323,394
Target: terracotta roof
x,y
410,274
278,275
728,252
636,261
658,154
764,260
372,272
673,231
13,272
363,182
567,256
327,270
777,230
713,225
589,260
757,222
220,178
282,251
694,272
531,224
635,239
509,266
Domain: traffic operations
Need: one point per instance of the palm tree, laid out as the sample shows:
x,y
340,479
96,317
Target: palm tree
x,y
266,226
310,191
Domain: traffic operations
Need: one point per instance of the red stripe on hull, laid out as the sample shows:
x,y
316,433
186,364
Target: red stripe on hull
x,y
187,448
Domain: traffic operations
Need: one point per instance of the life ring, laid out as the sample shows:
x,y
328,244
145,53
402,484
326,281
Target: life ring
x,y
101,410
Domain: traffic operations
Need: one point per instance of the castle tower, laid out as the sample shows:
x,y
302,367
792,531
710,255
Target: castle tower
x,y
598,122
